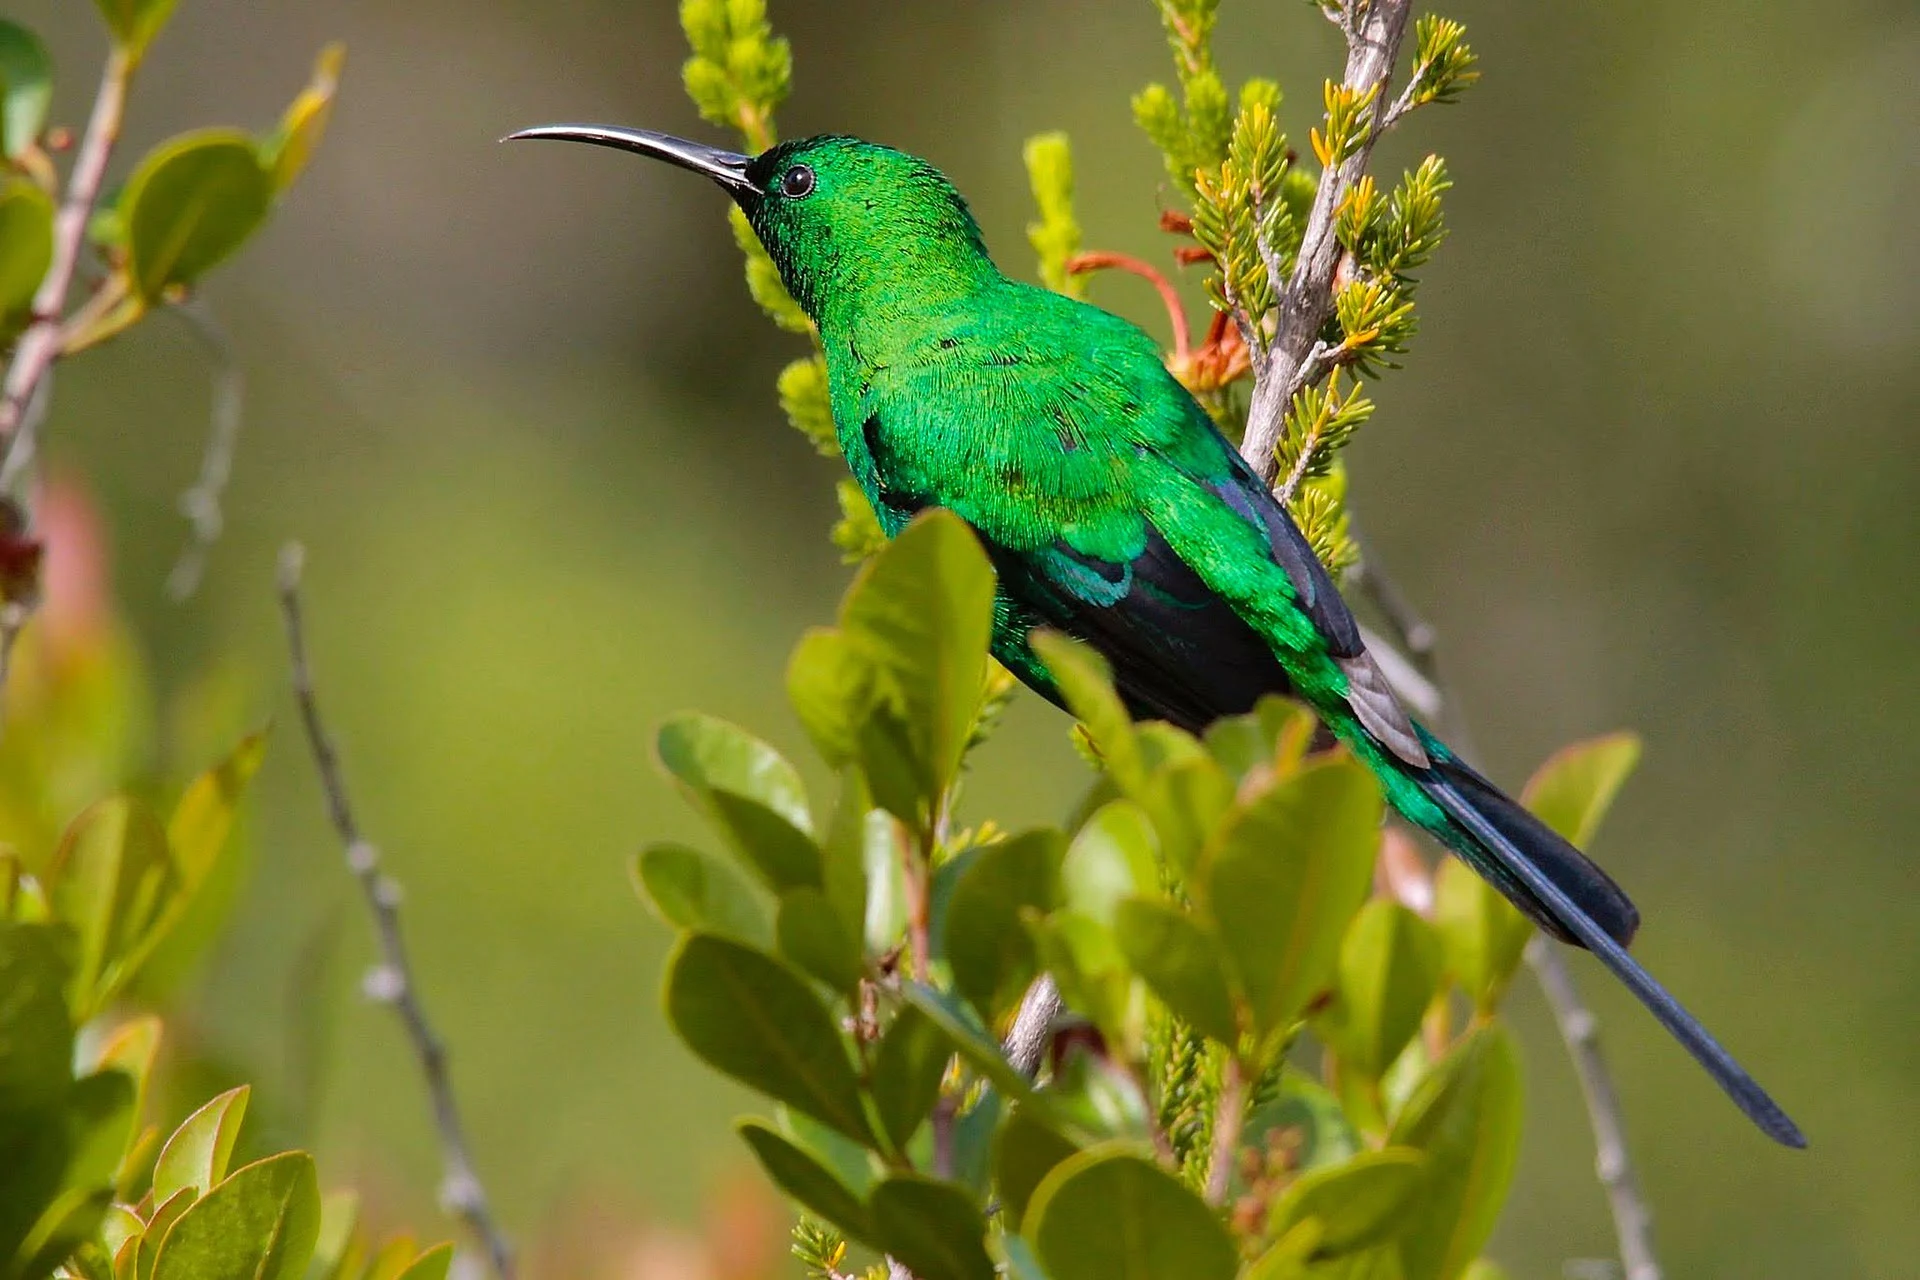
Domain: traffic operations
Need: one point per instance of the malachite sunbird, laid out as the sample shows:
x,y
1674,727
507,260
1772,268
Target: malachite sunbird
x,y
1113,509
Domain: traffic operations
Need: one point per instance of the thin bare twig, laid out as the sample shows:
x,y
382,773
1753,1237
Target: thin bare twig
x,y
39,346
1373,43
1632,1218
1027,1039
201,503
391,981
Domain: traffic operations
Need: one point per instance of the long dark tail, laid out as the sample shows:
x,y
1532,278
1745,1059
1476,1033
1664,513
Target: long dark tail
x,y
1572,899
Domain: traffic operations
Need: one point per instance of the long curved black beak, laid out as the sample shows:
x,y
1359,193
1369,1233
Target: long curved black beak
x,y
728,168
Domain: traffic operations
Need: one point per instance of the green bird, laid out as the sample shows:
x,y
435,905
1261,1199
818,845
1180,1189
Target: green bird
x,y
1113,509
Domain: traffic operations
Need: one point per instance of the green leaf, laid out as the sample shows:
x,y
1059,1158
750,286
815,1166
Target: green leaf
x,y
1285,875
808,1182
1181,960
922,610
812,935
1390,963
887,762
211,865
1573,790
758,1021
1113,1214
135,23
260,1224
1084,680
830,684
1110,859
36,1037
1317,1128
1466,1117
1025,1151
907,1068
113,880
190,203
286,153
1484,935
749,791
1358,1204
706,753
986,942
159,1222
844,853
690,889
1186,799
99,1120
26,90
196,1155
431,1265
933,1228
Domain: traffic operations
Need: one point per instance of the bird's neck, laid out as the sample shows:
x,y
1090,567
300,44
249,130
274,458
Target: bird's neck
x,y
888,311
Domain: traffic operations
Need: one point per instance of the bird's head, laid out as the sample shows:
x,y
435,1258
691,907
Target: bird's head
x,y
848,223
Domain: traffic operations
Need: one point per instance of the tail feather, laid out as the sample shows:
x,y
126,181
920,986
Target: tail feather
x,y
1561,890
1589,888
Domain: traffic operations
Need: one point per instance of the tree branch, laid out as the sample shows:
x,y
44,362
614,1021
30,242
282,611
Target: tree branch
x,y
40,345
391,981
1632,1219
1373,43
201,503
1228,1114
1027,1039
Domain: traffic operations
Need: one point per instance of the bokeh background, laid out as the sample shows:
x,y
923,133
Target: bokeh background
x,y
1651,464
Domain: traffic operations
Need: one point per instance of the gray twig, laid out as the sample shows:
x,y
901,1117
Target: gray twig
x,y
391,981
201,503
1026,1042
39,346
1632,1219
1373,43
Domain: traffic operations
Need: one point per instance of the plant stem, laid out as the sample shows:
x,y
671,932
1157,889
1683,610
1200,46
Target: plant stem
x,y
40,345
1305,300
391,981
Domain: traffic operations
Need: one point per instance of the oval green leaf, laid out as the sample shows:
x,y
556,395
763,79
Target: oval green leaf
x,y
752,1017
1181,961
196,1155
830,684
36,1035
806,1180
287,152
1573,790
114,880
932,1227
922,611
1483,935
191,202
134,23
259,1224
26,90
812,935
691,889
1465,1115
1284,876
1110,859
1113,1214
26,249
1358,1204
706,753
907,1070
1086,683
1390,963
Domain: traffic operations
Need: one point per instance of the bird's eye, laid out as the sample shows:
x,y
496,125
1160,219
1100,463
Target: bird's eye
x,y
797,183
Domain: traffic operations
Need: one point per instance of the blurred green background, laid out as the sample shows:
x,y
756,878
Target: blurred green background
x,y
1651,464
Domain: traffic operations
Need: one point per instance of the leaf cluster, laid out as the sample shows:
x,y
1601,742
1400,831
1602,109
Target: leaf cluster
x,y
1208,912
1055,237
93,1187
